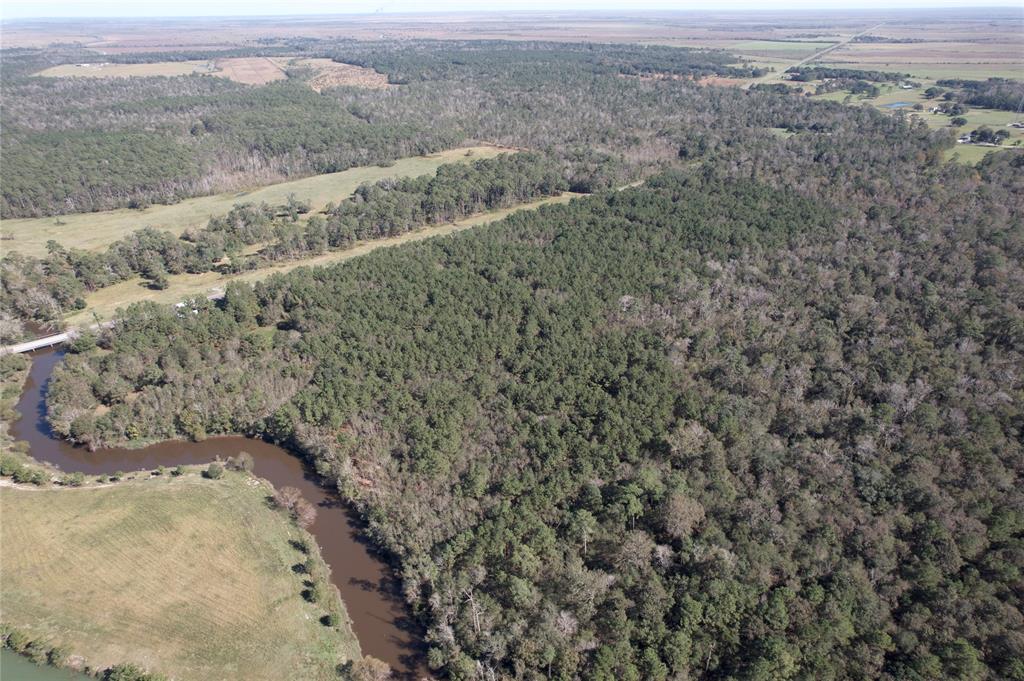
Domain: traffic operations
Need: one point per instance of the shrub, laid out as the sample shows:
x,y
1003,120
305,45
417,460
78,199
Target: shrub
x,y
58,656
73,479
242,462
9,465
179,470
38,652
214,471
16,640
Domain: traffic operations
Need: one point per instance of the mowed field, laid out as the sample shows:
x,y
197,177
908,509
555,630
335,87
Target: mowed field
x,y
93,231
186,576
104,302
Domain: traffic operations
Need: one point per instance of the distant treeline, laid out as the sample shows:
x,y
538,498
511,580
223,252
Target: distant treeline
x,y
885,39
1003,94
808,73
88,144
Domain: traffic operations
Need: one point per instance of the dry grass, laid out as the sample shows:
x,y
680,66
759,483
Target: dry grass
x,y
105,302
94,231
186,576
249,70
328,73
107,70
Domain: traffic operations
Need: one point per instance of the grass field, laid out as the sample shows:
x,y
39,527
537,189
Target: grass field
x,y
105,302
93,231
186,576
773,49
106,70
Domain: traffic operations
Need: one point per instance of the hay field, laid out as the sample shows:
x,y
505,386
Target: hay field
x,y
108,70
186,576
94,231
105,302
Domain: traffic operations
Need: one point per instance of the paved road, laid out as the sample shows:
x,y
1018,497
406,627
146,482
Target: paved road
x,y
816,55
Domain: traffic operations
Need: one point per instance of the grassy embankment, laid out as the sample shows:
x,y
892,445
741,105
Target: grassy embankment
x,y
105,302
94,231
184,575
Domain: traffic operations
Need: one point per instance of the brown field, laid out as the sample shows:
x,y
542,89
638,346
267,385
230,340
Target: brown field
x,y
328,73
249,70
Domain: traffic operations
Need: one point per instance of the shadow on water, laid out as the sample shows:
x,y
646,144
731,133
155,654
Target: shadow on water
x,y
369,588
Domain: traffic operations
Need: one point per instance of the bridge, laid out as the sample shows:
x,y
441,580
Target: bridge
x,y
38,343
70,334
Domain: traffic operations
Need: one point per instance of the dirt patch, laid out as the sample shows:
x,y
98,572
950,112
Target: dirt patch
x,y
249,70
329,73
724,82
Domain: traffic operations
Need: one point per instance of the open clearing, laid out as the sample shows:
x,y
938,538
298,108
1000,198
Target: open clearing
x,y
328,73
108,70
94,231
249,70
187,576
104,302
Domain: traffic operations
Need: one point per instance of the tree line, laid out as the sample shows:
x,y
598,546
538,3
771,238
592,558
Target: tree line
x,y
45,289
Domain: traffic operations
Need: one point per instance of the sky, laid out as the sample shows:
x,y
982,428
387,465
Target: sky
x,y
15,9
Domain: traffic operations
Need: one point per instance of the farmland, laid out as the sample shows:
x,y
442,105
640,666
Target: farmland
x,y
176,574
94,231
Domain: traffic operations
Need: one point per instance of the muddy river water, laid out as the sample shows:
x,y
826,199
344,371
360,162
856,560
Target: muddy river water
x,y
366,583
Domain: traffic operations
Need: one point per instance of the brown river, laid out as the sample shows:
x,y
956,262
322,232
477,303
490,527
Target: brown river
x,y
367,585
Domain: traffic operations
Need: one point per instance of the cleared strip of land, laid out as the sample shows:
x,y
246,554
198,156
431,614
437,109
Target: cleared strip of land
x,y
109,70
104,303
186,576
93,231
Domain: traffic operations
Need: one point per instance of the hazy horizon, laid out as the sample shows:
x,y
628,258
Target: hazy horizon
x,y
66,9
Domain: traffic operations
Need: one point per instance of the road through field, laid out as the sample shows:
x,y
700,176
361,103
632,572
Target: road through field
x,y
777,76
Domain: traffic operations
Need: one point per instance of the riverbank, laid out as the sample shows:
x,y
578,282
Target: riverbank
x,y
368,589
179,574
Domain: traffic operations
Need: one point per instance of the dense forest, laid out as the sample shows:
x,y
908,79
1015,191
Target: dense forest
x,y
758,418
86,144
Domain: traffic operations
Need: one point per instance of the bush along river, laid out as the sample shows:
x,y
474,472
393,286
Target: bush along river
x,y
367,584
